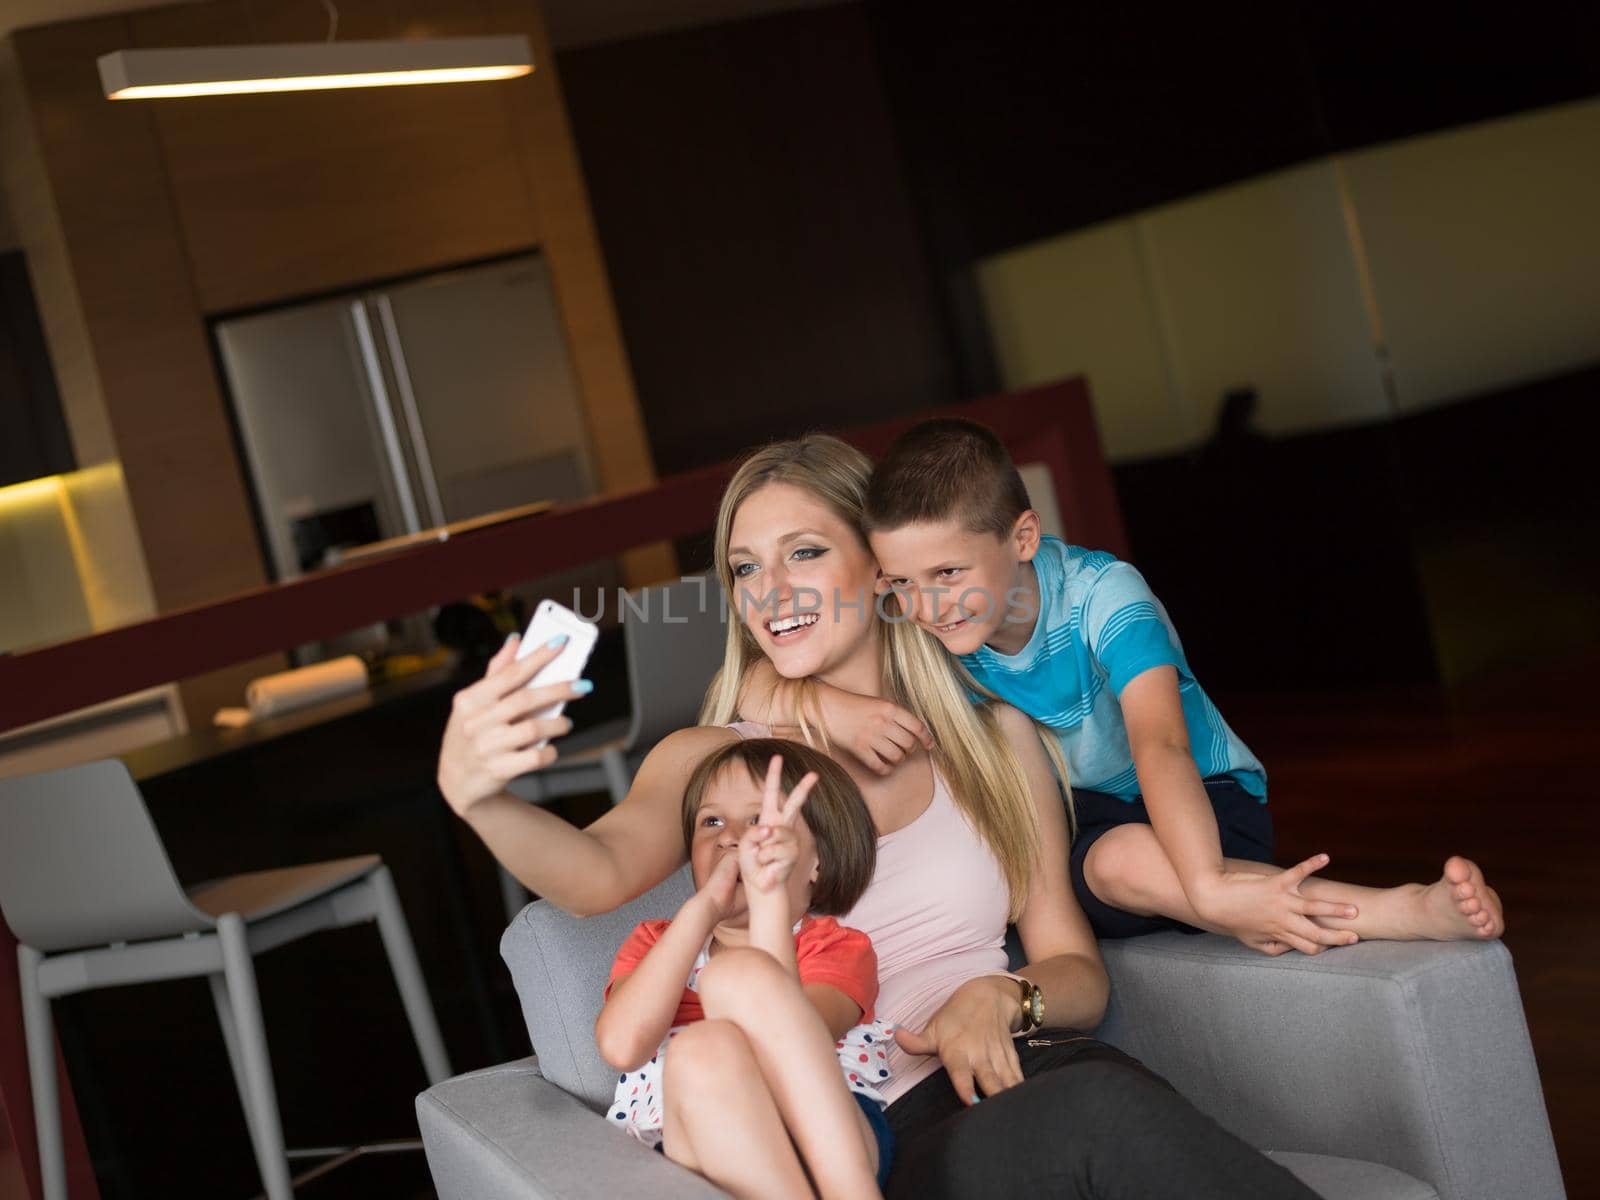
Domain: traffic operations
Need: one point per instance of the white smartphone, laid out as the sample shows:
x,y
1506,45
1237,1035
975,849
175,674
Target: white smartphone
x,y
551,620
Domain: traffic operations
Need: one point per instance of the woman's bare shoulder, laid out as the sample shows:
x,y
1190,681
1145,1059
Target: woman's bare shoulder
x,y
1013,722
638,829
686,747
1024,735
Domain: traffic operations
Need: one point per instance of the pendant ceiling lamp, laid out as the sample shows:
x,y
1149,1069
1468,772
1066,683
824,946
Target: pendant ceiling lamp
x,y
310,66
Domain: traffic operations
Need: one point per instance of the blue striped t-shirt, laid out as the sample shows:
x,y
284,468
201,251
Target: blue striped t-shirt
x,y
1099,625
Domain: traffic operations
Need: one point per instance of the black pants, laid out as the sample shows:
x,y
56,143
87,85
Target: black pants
x,y
1088,1123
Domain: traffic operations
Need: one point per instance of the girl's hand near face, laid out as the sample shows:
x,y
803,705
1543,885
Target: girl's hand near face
x,y
768,853
715,897
766,860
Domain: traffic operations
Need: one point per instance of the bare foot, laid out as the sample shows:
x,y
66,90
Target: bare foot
x,y
1459,905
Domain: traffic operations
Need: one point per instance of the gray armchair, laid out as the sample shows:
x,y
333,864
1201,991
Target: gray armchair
x,y
1385,1071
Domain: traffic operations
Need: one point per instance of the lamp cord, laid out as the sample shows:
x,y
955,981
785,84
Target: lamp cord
x,y
333,18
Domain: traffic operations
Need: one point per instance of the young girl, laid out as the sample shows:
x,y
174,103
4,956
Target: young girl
x,y
745,989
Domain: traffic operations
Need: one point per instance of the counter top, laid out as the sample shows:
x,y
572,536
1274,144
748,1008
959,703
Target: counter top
x,y
430,685
213,742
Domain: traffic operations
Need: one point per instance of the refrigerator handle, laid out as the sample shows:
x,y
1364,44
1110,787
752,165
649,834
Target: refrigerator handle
x,y
408,401
385,415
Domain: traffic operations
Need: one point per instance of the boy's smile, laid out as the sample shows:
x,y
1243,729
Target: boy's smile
x,y
965,588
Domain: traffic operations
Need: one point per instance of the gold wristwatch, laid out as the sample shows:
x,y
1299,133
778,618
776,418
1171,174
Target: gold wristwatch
x,y
1032,1006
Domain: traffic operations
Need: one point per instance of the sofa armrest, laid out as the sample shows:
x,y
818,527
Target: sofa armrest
x,y
507,1133
1411,1054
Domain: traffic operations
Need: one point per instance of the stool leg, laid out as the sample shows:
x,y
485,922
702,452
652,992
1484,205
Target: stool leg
x,y
40,1032
512,894
260,1096
618,778
408,977
230,1039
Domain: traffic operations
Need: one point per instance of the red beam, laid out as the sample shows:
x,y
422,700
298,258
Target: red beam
x,y
175,645
1051,424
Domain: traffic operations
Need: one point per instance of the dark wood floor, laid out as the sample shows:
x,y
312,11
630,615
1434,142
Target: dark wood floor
x,y
1390,783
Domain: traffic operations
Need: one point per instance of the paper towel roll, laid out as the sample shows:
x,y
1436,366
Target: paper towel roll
x,y
272,695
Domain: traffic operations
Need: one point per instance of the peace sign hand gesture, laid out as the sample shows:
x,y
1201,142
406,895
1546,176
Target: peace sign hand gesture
x,y
768,853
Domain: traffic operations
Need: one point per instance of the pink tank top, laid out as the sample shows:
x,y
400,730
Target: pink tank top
x,y
936,913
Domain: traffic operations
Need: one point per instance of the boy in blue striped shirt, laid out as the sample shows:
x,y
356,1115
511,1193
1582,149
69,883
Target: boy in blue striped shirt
x,y
1172,827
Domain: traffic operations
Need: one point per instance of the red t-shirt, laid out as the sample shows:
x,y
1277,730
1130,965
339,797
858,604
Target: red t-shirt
x,y
825,952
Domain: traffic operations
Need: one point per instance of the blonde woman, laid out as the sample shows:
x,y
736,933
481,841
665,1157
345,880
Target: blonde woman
x,y
972,834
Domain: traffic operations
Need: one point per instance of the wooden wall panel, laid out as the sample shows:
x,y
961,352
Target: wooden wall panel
x,y
549,161
149,341
284,195
766,254
174,210
38,224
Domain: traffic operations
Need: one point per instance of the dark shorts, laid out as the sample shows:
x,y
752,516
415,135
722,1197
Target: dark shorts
x,y
881,1131
1242,820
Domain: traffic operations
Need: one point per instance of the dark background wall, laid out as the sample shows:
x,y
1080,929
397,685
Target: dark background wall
x,y
764,250
33,433
792,206
1033,118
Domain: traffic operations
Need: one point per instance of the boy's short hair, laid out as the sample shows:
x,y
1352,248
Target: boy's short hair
x,y
942,470
834,812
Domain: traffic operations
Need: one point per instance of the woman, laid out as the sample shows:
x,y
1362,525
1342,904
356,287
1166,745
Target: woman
x,y
983,822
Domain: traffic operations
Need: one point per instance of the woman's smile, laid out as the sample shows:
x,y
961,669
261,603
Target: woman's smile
x,y
797,569
791,628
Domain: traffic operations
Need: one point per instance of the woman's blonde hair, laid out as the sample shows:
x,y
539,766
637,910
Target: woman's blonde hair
x,y
985,778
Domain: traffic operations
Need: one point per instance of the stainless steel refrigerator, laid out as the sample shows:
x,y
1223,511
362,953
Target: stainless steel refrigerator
x,y
390,411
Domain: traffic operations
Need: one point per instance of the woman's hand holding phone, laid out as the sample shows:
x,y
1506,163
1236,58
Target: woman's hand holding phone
x,y
493,735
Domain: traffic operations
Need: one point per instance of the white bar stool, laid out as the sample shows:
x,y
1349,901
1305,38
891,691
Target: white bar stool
x,y
86,886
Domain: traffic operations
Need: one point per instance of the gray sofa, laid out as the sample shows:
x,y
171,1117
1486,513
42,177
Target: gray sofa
x,y
1385,1071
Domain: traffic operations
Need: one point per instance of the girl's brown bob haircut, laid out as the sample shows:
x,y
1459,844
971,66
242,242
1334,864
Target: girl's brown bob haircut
x,y
834,812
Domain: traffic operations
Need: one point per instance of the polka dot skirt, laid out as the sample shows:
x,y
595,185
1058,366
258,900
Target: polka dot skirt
x,y
864,1058
636,1103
